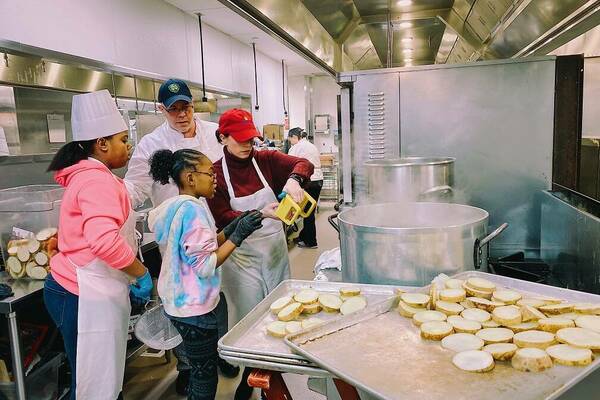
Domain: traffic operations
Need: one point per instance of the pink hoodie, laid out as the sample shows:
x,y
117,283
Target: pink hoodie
x,y
93,210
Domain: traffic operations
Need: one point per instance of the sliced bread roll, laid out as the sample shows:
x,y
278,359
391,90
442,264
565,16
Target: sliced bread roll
x,y
462,342
524,326
290,312
507,315
501,351
471,291
448,308
481,284
531,313
555,309
408,311
452,295
587,308
349,291
535,339
309,309
506,296
476,314
591,322
531,360
415,299
330,302
307,296
276,329
428,315
555,324
454,283
435,330
473,361
495,335
579,337
568,355
280,304
293,327
353,304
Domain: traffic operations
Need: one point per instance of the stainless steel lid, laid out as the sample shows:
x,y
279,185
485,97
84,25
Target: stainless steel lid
x,y
410,161
412,216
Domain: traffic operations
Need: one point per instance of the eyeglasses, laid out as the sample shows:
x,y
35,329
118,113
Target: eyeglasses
x,y
211,174
179,110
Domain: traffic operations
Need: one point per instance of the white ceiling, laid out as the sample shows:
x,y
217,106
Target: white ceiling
x,y
227,21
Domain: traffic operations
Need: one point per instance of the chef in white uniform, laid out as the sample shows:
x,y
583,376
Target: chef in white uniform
x,y
181,130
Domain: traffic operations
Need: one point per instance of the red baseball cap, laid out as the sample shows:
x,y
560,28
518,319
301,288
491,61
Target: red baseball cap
x,y
238,124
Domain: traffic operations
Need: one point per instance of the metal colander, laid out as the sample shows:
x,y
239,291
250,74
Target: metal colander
x,y
156,331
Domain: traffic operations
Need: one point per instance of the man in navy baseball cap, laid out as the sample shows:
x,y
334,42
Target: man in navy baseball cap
x,y
174,90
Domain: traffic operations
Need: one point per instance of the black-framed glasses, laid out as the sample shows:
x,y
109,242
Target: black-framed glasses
x,y
179,110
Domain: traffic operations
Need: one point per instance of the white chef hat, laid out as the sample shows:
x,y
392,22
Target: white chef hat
x,y
95,115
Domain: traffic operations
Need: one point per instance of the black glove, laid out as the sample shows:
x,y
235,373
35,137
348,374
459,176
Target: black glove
x,y
228,230
246,226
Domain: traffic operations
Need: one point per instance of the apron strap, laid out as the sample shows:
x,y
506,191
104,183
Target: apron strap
x,y
228,178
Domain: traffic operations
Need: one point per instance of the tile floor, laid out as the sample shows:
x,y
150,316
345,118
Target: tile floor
x,y
153,379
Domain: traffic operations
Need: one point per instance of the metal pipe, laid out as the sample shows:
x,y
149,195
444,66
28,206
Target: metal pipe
x,y
112,75
15,349
154,96
283,86
204,99
390,39
137,108
257,106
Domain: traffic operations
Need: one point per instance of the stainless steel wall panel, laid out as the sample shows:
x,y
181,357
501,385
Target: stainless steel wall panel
x,y
376,128
497,121
33,105
8,119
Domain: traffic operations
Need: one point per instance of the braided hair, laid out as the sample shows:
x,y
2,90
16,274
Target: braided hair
x,y
165,164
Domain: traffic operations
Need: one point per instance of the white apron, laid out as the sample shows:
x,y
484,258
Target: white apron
x,y
255,268
102,324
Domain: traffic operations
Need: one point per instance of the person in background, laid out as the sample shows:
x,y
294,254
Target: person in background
x,y
249,180
181,130
190,276
87,291
302,148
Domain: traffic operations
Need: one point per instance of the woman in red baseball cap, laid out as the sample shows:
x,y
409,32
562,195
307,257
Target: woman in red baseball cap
x,y
251,180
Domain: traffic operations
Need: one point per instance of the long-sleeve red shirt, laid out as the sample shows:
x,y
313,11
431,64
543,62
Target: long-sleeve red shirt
x,y
275,166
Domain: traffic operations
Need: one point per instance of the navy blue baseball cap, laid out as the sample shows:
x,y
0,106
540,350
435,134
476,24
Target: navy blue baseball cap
x,y
174,90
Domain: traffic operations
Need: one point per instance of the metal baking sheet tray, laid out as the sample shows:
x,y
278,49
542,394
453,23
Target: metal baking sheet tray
x,y
382,353
275,365
249,337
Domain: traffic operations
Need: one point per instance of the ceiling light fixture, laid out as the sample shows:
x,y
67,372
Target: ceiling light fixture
x,y
404,3
407,40
404,25
408,51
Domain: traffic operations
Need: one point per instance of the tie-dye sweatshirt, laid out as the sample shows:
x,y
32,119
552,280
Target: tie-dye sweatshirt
x,y
189,282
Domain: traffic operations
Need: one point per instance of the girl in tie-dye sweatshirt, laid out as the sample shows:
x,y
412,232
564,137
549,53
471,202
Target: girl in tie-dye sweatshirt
x,y
192,251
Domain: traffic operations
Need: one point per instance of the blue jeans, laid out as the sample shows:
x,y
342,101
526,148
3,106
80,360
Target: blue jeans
x,y
62,306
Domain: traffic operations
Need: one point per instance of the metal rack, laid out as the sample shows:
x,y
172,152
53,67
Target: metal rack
x,y
330,190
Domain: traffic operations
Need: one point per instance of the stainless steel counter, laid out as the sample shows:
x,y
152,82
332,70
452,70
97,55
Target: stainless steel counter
x,y
23,289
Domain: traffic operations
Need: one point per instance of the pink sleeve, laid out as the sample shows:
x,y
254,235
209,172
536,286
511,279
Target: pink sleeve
x,y
200,243
103,217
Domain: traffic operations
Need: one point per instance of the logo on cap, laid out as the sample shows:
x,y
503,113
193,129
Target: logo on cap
x,y
174,88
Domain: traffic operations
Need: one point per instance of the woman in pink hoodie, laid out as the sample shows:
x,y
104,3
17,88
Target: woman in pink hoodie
x,y
87,292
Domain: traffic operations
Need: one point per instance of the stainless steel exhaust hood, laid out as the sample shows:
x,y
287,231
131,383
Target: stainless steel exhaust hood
x,y
395,33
